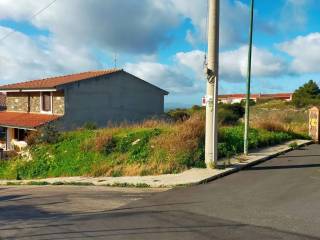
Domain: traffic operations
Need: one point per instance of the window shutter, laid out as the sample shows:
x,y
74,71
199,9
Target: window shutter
x,y
46,101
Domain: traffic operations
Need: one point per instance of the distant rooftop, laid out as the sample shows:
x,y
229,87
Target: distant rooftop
x,y
259,95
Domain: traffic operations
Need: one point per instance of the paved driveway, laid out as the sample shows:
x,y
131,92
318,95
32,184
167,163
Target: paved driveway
x,y
279,199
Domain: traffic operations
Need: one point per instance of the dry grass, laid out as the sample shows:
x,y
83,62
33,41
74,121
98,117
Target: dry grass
x,y
148,123
185,136
97,143
102,140
184,140
271,123
178,139
278,119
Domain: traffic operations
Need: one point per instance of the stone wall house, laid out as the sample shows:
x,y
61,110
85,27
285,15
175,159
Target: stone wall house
x,y
97,97
2,101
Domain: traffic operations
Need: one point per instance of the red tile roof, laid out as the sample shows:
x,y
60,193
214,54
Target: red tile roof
x,y
25,120
53,82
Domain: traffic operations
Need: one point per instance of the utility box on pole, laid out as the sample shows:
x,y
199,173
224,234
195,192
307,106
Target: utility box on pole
x,y
314,124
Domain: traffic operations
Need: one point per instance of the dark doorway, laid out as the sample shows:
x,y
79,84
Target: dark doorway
x,y
20,134
3,135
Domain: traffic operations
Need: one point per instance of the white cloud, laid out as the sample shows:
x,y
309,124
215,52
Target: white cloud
x,y
305,53
233,64
138,26
21,58
234,18
186,74
170,78
130,26
24,10
193,60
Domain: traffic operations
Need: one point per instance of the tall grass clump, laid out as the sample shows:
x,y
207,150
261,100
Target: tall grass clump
x,y
183,146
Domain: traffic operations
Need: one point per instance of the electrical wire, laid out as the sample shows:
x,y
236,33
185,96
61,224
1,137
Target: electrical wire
x,y
32,17
205,48
206,26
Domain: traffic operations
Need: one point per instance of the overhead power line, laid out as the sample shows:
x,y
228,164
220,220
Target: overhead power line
x,y
32,17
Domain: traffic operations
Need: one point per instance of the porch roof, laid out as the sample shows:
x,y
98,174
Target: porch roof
x,y
25,120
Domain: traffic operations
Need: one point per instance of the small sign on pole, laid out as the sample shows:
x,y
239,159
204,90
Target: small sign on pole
x,y
204,101
314,129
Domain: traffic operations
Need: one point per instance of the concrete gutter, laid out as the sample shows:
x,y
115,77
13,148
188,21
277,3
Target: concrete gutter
x,y
190,177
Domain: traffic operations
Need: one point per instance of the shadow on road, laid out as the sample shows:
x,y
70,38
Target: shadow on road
x,y
151,224
12,198
13,213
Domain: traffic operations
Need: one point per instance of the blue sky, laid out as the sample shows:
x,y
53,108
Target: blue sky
x,y
163,42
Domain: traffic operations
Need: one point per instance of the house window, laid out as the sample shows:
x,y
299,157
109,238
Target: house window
x,y
3,134
20,134
46,102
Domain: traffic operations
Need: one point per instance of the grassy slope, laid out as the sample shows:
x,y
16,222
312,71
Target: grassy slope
x,y
146,149
280,116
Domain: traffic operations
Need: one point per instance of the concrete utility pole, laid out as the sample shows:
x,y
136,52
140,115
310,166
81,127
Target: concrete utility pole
x,y
211,148
247,115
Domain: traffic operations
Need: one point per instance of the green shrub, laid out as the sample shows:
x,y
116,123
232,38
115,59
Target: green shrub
x,y
229,114
231,139
136,144
227,117
196,108
251,102
33,138
308,94
179,115
48,134
294,145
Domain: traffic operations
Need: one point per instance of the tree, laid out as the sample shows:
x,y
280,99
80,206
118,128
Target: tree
x,y
307,94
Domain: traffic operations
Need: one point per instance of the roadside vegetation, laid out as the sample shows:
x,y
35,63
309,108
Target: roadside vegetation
x,y
149,148
170,145
280,116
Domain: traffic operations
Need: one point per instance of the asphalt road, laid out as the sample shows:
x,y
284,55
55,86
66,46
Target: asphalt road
x,y
279,199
